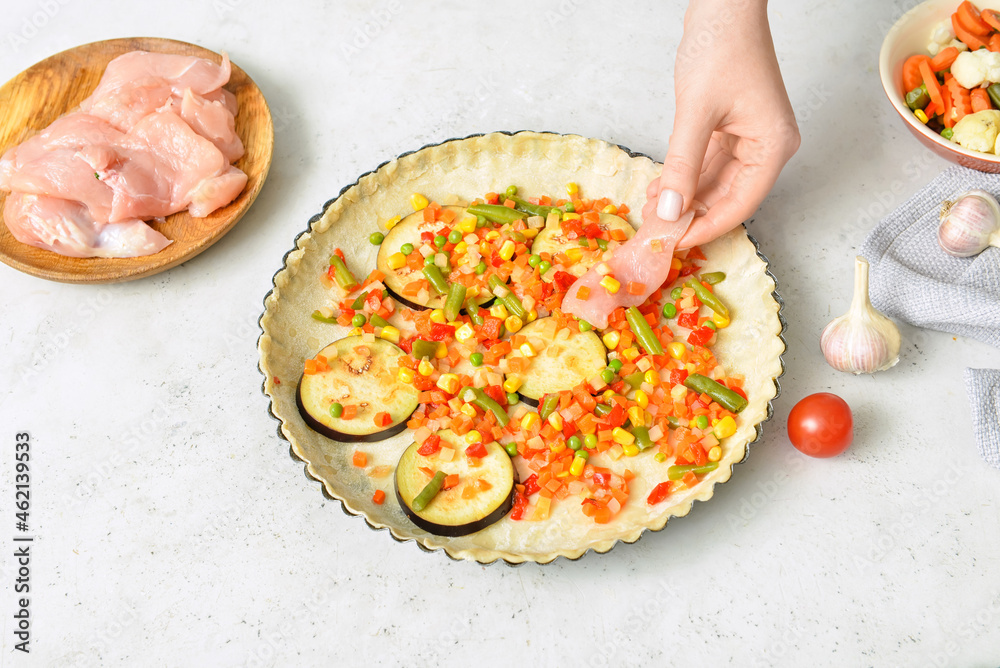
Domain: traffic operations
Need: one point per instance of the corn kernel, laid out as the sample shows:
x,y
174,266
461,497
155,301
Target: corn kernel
x,y
468,409
714,453
392,222
472,292
437,315
642,399
460,248
449,383
484,248
612,285
557,446
441,351
611,208
499,311
636,416
676,264
512,384
473,437
676,350
572,188
418,201
630,353
397,261
651,377
726,427
611,339
530,233
576,468
467,225
506,250
532,315
357,331
527,350
492,235
721,321
464,333
513,324
622,437
607,396
390,333
574,254
630,450
556,420
921,116
425,368
529,421
571,216
405,375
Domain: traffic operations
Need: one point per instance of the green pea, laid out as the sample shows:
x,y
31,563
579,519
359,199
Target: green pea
x,y
454,236
481,268
440,240
675,294
512,398
510,192
660,457
669,310
511,448
947,133
570,208
376,238
585,326
582,454
429,260
534,260
358,320
608,375
590,441
543,267
406,249
574,443
336,410
615,365
711,325
701,422
476,359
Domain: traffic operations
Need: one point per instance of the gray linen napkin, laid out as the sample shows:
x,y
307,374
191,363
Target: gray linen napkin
x,y
984,394
914,281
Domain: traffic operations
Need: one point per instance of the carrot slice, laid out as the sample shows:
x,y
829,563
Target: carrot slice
x,y
944,58
992,17
929,80
980,100
971,40
994,44
969,15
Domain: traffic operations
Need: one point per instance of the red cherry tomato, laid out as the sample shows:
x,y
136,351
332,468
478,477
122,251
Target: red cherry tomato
x,y
821,425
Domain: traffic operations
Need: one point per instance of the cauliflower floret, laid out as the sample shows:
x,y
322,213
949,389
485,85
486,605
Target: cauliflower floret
x,y
942,33
973,68
978,131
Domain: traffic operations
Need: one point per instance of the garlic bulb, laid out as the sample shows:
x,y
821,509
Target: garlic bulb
x,y
862,340
969,224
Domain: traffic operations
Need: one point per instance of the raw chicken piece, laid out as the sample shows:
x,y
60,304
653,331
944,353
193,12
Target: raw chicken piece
x,y
216,192
634,261
67,228
139,83
64,174
213,121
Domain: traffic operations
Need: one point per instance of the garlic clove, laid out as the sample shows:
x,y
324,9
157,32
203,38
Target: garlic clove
x,y
862,340
969,224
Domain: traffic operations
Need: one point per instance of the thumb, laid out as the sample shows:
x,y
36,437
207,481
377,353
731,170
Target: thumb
x,y
682,166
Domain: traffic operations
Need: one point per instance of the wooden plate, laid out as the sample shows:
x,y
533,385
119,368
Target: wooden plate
x,y
55,86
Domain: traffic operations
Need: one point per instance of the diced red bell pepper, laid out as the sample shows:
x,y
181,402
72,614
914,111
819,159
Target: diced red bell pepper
x,y
688,320
477,450
701,336
440,332
520,505
531,485
373,301
490,328
430,446
563,280
659,493
616,417
602,479
496,393
678,376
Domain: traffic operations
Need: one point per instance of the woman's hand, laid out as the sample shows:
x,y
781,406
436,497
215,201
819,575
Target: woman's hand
x,y
734,128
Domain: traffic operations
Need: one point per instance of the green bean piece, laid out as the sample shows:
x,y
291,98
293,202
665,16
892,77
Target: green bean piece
x,y
511,449
713,277
378,321
422,349
642,439
549,405
359,301
600,410
533,209
497,213
427,494
474,316
510,300
707,298
342,274
453,303
477,397
433,274
643,332
634,380
948,133
602,244
316,315
918,97
677,472
481,268
720,393
675,421
994,92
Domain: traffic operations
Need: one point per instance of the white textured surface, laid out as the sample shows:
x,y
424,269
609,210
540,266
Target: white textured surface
x,y
173,529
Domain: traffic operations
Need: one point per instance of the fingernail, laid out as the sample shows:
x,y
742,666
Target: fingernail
x,y
669,206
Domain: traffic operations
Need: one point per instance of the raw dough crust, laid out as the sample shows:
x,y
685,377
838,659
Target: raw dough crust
x,y
539,163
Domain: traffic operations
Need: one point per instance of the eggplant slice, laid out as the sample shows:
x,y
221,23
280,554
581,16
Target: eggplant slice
x,y
551,240
561,363
448,514
408,230
361,374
